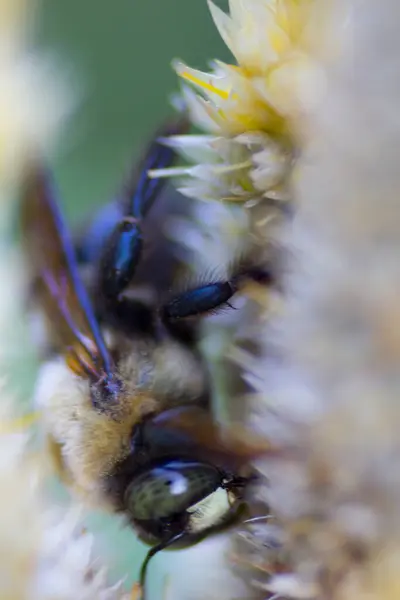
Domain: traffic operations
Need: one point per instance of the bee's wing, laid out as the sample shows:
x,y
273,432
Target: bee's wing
x,y
141,190
51,257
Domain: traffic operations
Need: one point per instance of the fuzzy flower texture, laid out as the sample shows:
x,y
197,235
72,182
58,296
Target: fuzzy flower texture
x,y
247,110
44,552
327,381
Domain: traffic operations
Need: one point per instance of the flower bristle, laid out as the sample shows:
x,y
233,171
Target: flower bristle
x,y
315,109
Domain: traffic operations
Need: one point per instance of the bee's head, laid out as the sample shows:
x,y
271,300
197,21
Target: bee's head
x,y
181,496
182,476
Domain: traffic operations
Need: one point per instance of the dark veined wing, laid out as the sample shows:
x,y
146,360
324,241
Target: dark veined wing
x,y
141,190
60,291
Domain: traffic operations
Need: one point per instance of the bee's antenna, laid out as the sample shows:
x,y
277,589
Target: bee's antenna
x,y
152,552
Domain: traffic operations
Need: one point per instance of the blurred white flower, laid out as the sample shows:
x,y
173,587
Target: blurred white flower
x,y
249,110
34,100
328,384
45,552
33,103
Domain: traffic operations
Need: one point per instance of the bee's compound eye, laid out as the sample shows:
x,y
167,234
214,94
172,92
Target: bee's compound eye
x,y
170,489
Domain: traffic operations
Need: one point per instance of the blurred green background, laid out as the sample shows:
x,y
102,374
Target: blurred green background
x,y
118,56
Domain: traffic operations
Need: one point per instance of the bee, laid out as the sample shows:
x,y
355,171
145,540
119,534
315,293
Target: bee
x,y
124,393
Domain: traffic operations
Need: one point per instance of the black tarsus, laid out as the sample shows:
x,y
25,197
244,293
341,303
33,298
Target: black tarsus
x,y
199,300
211,296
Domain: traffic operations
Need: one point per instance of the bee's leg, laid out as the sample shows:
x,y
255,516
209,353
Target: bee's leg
x,y
209,297
123,249
152,552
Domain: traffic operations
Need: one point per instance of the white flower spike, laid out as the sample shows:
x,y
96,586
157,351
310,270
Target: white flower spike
x,y
251,106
